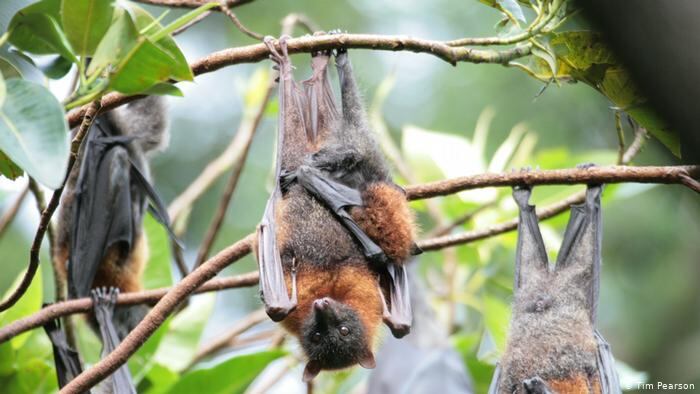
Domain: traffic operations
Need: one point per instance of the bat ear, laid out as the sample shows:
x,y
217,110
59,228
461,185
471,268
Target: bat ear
x,y
367,360
311,370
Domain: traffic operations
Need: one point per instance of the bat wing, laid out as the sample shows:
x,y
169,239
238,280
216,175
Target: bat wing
x,y
66,359
530,254
494,387
292,141
104,214
580,248
322,110
609,381
337,197
399,316
104,301
273,288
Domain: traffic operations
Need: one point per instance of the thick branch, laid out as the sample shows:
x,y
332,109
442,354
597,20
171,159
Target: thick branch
x,y
611,174
82,305
45,220
157,316
259,52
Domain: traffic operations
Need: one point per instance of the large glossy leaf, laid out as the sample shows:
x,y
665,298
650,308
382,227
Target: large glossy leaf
x,y
143,20
230,377
85,22
28,304
136,63
34,132
36,29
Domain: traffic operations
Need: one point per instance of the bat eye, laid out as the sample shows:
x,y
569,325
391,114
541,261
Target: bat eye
x,y
316,337
344,331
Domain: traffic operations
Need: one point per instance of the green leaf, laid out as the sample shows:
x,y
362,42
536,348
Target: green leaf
x,y
496,318
157,272
179,345
8,70
164,89
56,68
181,69
183,20
231,376
8,168
136,63
647,118
582,49
34,132
85,22
143,361
158,380
35,29
28,304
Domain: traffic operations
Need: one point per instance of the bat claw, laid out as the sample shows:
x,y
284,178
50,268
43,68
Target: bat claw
x,y
585,166
279,313
398,329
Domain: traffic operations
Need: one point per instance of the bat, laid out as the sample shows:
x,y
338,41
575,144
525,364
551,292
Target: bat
x,y
553,345
100,239
336,230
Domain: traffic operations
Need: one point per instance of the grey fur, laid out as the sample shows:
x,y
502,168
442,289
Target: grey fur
x,y
552,333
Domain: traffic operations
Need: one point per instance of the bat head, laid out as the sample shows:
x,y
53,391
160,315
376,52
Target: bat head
x,y
334,337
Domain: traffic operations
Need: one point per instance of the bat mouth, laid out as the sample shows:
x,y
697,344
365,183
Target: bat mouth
x,y
325,310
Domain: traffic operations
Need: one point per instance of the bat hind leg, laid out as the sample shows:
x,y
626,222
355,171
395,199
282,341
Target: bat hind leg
x,y
104,300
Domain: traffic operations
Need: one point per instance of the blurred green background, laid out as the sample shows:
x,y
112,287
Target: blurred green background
x,y
650,299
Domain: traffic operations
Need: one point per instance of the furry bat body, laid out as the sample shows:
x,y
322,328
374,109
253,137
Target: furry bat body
x,y
553,346
336,230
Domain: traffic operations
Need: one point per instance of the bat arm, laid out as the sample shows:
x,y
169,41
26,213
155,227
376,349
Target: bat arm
x,y
104,301
278,305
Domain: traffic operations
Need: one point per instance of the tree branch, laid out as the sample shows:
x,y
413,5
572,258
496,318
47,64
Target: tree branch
x,y
610,174
83,305
258,52
157,316
45,220
226,10
11,212
192,3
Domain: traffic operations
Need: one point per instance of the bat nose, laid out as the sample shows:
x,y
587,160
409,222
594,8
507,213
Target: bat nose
x,y
322,304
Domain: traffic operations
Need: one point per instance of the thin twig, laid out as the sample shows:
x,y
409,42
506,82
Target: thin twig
x,y
11,212
445,229
542,213
192,3
537,26
258,52
82,305
45,220
224,340
609,174
191,23
226,10
620,137
245,136
157,315
59,283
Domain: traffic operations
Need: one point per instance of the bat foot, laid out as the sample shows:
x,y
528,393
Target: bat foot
x,y
279,313
585,166
339,52
398,329
280,57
